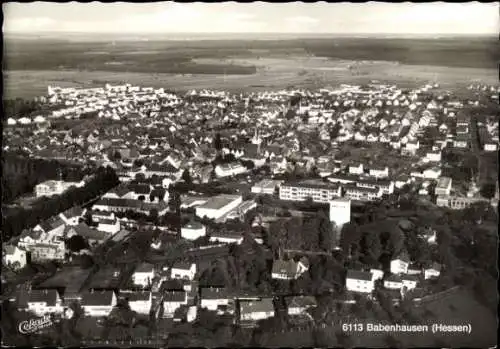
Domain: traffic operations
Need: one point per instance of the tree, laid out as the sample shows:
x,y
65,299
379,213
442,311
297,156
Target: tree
x,y
488,190
141,198
77,243
186,177
218,142
326,238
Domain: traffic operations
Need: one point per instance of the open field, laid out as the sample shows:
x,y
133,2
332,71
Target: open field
x,y
30,65
271,73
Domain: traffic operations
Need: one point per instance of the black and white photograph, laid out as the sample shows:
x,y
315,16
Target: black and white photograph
x,y
229,175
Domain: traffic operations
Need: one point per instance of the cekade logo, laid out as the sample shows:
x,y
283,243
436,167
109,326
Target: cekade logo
x,y
34,325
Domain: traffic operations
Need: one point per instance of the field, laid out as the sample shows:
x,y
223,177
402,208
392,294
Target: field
x,y
238,65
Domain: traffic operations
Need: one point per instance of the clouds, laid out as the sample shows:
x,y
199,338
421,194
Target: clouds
x,y
230,17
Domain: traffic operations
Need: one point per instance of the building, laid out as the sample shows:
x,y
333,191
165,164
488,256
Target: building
x,y
193,230
289,270
316,190
434,156
340,212
457,202
299,305
432,272
490,146
218,206
98,303
14,257
48,251
42,302
111,226
53,187
184,271
356,169
266,186
355,192
400,264
393,282
443,186
227,170
377,274
256,310
173,300
72,216
386,186
139,301
213,297
143,274
359,281
409,281
379,172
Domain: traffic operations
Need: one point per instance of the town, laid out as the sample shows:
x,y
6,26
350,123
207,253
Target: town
x,y
140,216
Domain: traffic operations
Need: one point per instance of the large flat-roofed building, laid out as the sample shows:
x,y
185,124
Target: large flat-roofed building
x,y
355,192
458,202
218,206
266,186
443,186
318,191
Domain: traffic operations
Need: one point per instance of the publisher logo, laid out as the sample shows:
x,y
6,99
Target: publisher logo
x,y
34,325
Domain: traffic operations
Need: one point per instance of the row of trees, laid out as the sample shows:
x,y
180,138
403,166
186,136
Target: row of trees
x,y
21,218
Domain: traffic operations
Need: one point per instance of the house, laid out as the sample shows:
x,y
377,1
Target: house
x,y
193,230
434,156
490,146
227,170
443,186
289,270
377,274
139,301
48,251
359,281
318,191
183,270
213,297
432,272
299,305
266,186
256,310
356,169
409,281
143,274
53,187
98,303
402,181
379,172
14,257
91,235
432,173
362,193
111,226
42,302
72,216
399,265
393,282
173,300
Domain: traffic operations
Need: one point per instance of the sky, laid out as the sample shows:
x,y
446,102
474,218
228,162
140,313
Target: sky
x,y
256,17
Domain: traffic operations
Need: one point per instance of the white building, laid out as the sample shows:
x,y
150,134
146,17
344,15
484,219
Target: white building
x,y
443,186
490,146
52,187
143,275
434,156
409,281
399,265
213,297
42,302
299,305
98,303
377,274
432,173
14,257
227,170
226,237
379,172
356,169
432,272
111,226
257,309
316,190
359,281
218,206
266,186
340,212
173,300
289,270
193,230
185,271
140,302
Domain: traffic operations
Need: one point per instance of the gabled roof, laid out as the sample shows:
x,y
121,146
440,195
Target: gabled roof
x,y
393,278
144,268
214,293
97,298
284,267
87,232
75,211
359,275
262,305
51,223
43,296
136,296
182,265
174,296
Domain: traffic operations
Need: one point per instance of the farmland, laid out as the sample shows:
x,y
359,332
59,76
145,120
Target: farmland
x,y
30,66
